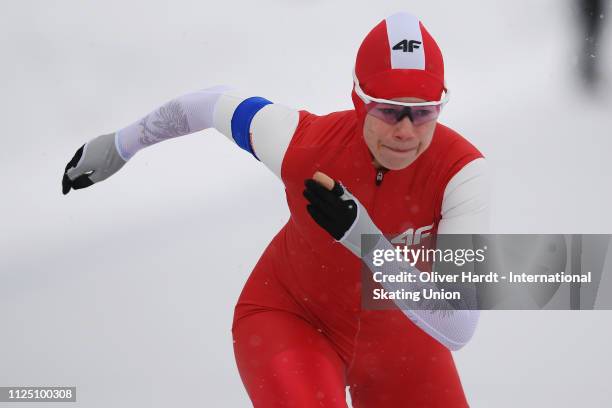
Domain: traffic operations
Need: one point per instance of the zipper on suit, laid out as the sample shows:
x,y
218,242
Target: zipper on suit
x,y
379,176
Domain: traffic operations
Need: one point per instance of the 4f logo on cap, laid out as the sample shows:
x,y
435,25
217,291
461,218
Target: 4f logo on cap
x,y
407,46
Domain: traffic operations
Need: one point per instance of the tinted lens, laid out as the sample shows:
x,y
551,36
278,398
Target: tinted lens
x,y
424,114
392,114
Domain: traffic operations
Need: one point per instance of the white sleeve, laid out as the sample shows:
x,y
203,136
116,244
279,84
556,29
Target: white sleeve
x,y
465,205
465,210
451,324
255,124
258,126
181,116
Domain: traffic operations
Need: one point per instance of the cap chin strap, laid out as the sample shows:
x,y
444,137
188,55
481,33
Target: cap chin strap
x,y
367,98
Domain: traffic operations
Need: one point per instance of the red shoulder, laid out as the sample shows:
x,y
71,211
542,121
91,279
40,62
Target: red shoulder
x,y
331,129
452,143
451,150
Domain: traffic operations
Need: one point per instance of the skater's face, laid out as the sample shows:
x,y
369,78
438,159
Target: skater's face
x,y
396,146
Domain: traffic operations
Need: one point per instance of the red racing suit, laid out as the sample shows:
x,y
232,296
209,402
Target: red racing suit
x,y
300,334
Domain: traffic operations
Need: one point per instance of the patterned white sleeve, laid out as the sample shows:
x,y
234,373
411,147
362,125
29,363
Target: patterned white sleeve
x,y
452,328
465,210
186,114
253,123
451,324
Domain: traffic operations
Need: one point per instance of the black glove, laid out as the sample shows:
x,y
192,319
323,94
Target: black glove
x,y
334,210
93,162
81,181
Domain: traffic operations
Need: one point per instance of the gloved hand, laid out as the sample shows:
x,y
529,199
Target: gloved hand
x,y
331,208
337,211
95,161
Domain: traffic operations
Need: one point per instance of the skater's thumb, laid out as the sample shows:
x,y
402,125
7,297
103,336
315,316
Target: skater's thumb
x,y
324,180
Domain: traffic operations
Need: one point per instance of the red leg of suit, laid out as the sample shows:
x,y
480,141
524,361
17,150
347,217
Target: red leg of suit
x,y
398,365
283,360
286,361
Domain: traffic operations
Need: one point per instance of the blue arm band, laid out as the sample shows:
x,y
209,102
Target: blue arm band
x,y
241,121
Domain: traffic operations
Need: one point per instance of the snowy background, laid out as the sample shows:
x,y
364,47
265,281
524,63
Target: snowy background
x,y
127,289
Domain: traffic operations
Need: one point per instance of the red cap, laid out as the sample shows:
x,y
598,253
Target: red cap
x,y
399,58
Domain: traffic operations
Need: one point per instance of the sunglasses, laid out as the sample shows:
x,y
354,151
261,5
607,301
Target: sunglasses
x,y
392,112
